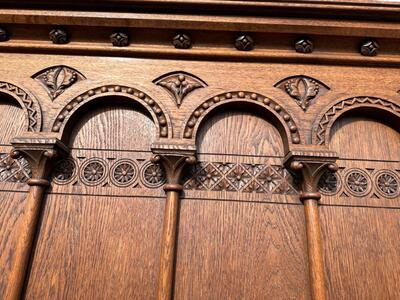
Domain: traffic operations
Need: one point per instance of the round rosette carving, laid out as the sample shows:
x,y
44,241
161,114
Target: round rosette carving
x,y
387,184
93,171
152,175
124,172
64,171
329,184
357,182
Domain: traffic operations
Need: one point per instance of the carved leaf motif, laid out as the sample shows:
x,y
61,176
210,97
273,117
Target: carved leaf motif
x,y
57,79
302,89
179,85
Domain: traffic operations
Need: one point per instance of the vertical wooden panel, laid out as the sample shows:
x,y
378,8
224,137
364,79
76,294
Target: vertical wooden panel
x,y
361,252
12,119
233,250
240,249
11,209
100,247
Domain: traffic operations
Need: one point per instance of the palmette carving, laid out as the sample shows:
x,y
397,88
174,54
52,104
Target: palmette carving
x,y
179,85
302,89
57,79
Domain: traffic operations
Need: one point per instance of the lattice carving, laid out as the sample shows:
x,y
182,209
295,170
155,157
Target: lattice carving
x,y
27,102
247,178
323,127
269,104
57,79
179,85
14,170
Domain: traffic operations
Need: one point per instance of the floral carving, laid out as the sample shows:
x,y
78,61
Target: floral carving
x,y
30,105
119,39
247,178
152,175
124,172
14,170
64,171
369,48
244,43
58,36
387,184
328,183
93,171
302,89
182,41
304,46
179,85
57,79
357,182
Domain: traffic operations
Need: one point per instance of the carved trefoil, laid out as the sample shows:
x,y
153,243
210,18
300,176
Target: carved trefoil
x,y
179,84
302,89
57,79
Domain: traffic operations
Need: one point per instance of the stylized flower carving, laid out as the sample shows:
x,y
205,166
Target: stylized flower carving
x,y
369,48
387,184
152,175
93,171
357,182
328,183
302,90
304,46
124,173
57,79
119,39
269,179
58,36
182,41
238,177
244,43
64,171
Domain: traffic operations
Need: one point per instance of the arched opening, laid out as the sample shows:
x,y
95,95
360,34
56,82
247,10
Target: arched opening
x,y
231,237
103,208
12,119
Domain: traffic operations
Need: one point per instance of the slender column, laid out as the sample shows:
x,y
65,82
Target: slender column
x,y
39,154
173,164
309,166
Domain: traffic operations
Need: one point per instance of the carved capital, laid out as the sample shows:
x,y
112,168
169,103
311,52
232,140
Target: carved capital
x,y
308,166
173,158
40,153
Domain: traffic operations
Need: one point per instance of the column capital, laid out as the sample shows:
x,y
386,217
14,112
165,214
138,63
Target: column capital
x,y
308,165
173,158
40,153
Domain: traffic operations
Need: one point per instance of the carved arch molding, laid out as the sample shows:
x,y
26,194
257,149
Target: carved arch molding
x,y
28,103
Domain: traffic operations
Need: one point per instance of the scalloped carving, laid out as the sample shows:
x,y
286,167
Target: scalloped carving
x,y
302,89
27,102
57,79
179,84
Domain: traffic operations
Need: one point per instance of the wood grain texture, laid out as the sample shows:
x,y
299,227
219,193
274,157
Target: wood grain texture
x,y
97,247
361,252
12,207
10,126
230,250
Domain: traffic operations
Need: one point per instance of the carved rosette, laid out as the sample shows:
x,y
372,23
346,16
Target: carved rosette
x,y
302,89
41,154
309,166
179,85
115,90
57,79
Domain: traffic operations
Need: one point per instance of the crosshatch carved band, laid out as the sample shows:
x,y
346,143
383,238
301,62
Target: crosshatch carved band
x,y
28,103
191,126
324,124
159,117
